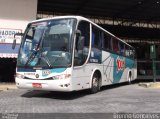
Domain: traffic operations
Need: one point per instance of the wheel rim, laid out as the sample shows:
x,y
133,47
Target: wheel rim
x,y
95,82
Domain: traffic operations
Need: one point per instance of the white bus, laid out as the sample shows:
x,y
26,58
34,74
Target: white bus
x,y
70,53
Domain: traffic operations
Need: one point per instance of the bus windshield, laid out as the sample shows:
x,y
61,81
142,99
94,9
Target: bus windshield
x,y
47,44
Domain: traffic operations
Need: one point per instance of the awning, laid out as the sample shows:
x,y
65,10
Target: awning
x,y
6,51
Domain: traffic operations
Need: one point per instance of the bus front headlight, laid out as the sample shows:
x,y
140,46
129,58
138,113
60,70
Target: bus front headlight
x,y
62,76
19,76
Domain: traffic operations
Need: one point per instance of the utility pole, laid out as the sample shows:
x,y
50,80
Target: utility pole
x,y
153,57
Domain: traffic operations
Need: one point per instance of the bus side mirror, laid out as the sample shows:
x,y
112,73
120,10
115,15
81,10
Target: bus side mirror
x,y
14,41
78,33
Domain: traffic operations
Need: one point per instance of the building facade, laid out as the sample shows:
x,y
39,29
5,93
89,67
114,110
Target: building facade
x,y
14,16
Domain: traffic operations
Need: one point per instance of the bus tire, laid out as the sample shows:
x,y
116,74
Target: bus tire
x,y
129,78
95,87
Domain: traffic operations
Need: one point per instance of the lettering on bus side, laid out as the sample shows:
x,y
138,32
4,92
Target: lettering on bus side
x,y
46,72
30,73
120,63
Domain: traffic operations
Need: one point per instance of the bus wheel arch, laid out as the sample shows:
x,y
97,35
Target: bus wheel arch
x,y
129,77
96,81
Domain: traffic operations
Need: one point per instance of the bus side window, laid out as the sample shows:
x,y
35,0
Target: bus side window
x,y
96,38
96,50
132,53
121,48
107,42
127,51
115,45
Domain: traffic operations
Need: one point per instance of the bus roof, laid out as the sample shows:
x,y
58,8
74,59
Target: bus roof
x,y
80,18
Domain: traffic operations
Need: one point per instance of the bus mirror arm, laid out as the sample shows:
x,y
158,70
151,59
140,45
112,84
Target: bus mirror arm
x,y
14,44
14,41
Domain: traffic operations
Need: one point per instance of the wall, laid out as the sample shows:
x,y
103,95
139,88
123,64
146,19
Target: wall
x,y
14,17
16,14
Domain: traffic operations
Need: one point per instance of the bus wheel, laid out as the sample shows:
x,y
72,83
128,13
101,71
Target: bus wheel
x,y
95,84
129,78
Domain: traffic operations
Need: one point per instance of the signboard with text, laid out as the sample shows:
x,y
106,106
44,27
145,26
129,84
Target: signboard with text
x,y
7,35
6,40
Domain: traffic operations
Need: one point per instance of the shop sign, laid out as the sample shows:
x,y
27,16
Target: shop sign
x,y
8,55
7,35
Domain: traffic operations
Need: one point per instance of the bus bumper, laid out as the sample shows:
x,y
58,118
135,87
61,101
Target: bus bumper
x,y
49,85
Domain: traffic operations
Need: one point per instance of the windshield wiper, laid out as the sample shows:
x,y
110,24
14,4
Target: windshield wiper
x,y
36,50
46,60
32,56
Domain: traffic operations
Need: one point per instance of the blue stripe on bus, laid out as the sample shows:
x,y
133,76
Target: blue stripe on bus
x,y
25,70
58,70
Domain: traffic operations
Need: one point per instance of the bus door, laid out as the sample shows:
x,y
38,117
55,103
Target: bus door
x,y
81,72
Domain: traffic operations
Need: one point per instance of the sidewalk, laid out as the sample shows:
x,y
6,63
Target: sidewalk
x,y
150,85
7,86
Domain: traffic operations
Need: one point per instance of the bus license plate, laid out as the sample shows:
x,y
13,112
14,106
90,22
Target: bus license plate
x,y
36,85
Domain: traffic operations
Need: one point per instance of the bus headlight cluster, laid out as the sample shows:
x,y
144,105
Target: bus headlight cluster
x,y
19,76
62,76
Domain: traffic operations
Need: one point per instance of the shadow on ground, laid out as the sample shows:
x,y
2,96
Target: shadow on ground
x,y
74,94
55,95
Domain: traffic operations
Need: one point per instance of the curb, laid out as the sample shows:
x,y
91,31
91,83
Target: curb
x,y
150,85
5,87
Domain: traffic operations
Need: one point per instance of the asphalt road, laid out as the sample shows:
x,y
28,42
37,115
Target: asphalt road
x,y
111,99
